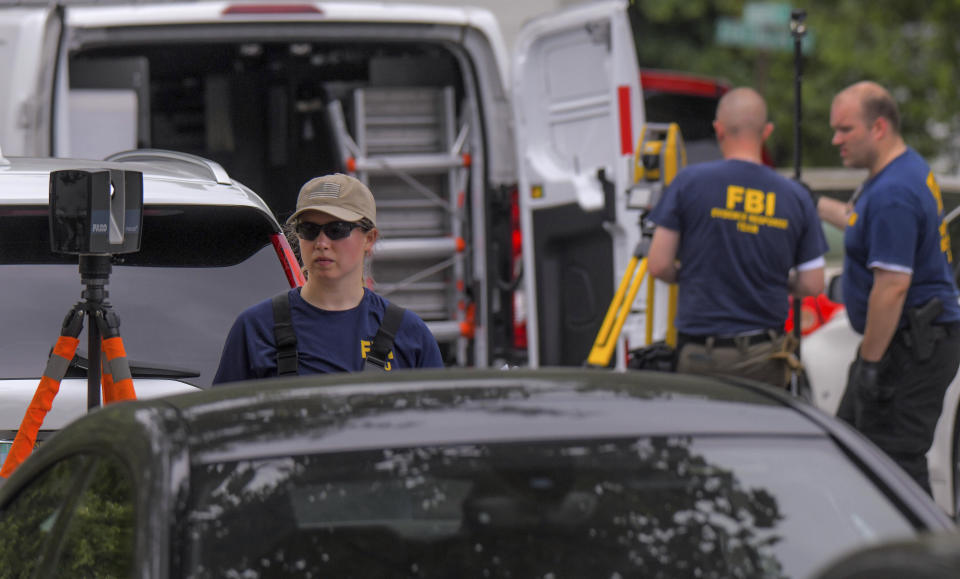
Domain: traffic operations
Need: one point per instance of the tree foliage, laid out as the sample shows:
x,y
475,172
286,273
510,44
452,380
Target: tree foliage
x,y
911,48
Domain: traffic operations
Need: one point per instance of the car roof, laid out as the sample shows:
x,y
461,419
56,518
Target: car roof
x,y
364,411
169,178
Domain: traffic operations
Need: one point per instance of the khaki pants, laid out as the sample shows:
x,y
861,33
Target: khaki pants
x,y
764,361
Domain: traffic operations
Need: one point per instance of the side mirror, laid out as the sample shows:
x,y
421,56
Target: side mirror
x,y
835,289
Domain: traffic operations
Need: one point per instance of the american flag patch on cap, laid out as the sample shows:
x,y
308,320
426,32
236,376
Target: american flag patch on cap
x,y
325,191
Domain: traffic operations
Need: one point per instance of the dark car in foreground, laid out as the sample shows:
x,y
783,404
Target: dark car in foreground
x,y
453,473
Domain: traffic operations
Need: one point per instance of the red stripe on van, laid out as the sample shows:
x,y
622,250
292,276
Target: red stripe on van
x,y
626,122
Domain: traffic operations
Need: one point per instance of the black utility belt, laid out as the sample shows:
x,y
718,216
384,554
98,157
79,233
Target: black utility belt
x,y
729,341
938,330
947,330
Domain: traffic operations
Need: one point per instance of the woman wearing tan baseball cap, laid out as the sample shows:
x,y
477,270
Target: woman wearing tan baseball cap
x,y
337,323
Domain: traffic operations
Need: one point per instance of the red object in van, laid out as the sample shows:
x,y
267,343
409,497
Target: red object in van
x,y
814,312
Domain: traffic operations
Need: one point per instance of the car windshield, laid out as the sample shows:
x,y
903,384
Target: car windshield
x,y
648,507
693,114
197,269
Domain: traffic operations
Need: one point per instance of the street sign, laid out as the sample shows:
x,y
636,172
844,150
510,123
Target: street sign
x,y
764,26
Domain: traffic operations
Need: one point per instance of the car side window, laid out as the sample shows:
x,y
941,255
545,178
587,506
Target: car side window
x,y
28,520
100,537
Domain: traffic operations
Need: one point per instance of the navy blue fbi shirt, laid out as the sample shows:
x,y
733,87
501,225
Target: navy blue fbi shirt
x,y
742,228
327,341
897,225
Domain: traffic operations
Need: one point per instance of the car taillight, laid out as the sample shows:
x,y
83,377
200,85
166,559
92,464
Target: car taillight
x,y
824,309
516,257
814,312
288,260
519,321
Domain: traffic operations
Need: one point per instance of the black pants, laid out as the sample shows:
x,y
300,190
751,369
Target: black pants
x,y
903,425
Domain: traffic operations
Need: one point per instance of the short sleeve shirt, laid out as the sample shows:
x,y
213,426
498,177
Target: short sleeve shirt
x,y
742,228
327,341
897,225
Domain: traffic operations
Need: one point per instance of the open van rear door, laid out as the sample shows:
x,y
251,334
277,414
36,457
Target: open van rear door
x,y
577,109
29,43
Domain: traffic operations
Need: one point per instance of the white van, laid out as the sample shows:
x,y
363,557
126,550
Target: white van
x,y
416,100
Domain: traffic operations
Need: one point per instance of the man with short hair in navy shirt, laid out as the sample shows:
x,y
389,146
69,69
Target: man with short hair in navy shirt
x,y
729,233
898,285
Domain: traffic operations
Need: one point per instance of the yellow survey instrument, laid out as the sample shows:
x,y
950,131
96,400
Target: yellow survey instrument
x,y
659,156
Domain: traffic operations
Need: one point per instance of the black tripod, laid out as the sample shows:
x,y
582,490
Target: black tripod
x,y
104,347
105,324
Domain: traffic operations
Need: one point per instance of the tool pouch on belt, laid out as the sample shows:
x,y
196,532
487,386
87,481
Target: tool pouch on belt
x,y
657,356
788,353
920,335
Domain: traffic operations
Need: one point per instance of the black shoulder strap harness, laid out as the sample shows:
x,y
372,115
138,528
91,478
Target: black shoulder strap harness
x,y
283,336
286,339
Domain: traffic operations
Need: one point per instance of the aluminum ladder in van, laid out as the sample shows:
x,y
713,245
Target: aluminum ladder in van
x,y
407,147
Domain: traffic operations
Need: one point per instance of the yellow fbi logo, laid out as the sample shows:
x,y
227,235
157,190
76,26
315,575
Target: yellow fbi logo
x,y
367,345
944,234
750,208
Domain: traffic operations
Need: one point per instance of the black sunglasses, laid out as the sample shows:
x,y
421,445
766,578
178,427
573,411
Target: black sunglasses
x,y
334,230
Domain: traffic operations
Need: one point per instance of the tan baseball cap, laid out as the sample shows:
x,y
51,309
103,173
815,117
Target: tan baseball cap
x,y
340,195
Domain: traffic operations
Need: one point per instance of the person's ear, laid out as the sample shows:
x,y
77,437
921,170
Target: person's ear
x,y
370,239
880,128
767,131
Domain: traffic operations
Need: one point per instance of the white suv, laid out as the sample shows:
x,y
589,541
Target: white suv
x,y
210,247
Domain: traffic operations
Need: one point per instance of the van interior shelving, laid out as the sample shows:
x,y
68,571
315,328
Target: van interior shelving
x,y
276,113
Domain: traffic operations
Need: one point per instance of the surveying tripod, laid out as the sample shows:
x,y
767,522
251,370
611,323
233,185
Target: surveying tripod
x,y
104,347
659,156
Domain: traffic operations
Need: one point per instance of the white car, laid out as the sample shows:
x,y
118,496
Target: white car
x,y
829,350
210,247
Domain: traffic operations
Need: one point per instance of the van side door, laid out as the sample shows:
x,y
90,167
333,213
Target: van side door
x,y
577,110
29,43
